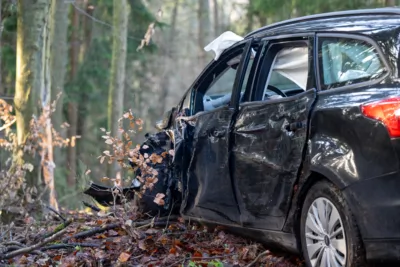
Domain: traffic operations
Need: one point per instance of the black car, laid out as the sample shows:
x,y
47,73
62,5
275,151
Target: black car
x,y
292,137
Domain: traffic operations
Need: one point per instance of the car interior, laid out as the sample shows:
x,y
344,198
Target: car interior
x,y
287,77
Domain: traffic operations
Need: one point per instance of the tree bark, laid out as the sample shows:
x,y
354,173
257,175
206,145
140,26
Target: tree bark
x,y
204,29
117,80
84,103
390,3
250,16
217,30
72,106
31,20
165,78
58,63
1,34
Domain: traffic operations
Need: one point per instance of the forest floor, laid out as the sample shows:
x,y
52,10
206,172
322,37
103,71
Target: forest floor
x,y
97,238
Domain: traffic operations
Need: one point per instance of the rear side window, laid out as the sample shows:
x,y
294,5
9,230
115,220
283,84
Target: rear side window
x,y
345,61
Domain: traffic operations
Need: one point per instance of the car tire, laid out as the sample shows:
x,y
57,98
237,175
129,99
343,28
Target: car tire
x,y
328,230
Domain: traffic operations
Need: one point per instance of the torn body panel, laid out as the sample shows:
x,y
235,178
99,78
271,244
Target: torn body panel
x,y
210,193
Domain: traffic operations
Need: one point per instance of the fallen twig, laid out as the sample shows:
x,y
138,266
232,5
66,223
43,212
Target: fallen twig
x,y
258,258
94,208
33,247
56,212
93,231
58,228
70,245
12,243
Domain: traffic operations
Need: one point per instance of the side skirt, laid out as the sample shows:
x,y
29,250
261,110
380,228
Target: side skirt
x,y
276,239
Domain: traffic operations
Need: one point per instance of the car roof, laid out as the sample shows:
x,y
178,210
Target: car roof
x,y
363,20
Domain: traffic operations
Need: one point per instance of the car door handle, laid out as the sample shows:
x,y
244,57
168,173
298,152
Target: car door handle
x,y
296,125
218,133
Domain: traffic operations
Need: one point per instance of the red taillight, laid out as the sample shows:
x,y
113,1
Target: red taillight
x,y
387,111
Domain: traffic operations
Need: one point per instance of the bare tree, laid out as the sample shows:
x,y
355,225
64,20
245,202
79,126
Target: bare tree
x,y
31,21
72,106
165,78
117,81
58,63
203,14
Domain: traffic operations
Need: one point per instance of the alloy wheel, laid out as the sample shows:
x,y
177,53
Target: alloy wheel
x,y
325,235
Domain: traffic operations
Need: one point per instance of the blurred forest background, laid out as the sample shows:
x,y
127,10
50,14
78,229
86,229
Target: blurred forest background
x,y
107,57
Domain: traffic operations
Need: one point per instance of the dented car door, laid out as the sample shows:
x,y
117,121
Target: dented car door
x,y
209,191
270,136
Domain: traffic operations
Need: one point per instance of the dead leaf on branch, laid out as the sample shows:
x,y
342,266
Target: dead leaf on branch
x,y
159,199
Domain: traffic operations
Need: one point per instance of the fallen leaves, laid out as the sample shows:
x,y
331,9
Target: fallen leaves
x,y
178,244
123,257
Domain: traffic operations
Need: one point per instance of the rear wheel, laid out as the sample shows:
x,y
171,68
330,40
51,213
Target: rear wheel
x,y
329,233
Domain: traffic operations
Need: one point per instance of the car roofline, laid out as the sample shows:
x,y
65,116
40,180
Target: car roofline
x,y
346,13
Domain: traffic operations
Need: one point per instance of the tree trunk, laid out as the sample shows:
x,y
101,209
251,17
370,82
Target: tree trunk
x,y
31,19
47,160
165,79
204,29
117,79
1,34
390,2
58,63
250,16
84,97
217,30
72,106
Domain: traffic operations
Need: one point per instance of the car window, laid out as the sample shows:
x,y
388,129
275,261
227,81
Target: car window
x,y
345,61
288,73
220,84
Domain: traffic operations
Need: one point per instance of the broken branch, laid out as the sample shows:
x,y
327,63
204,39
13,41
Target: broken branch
x,y
33,247
93,231
70,245
257,258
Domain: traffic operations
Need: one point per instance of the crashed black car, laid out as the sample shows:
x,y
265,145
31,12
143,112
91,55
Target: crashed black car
x,y
292,137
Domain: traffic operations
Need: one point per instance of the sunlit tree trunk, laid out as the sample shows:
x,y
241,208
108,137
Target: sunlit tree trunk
x,y
72,106
204,29
117,80
216,18
1,33
165,78
31,21
84,97
58,63
47,160
390,2
250,16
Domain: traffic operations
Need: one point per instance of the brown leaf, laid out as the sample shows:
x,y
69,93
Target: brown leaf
x,y
87,172
124,257
102,159
159,199
106,152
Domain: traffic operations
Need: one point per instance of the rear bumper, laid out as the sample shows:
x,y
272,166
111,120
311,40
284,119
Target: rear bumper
x,y
375,204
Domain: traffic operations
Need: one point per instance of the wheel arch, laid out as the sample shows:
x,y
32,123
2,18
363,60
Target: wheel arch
x,y
313,178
